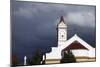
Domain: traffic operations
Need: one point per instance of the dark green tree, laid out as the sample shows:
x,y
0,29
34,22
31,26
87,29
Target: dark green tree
x,y
36,59
28,61
68,57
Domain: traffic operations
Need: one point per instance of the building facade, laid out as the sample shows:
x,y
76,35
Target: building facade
x,y
80,49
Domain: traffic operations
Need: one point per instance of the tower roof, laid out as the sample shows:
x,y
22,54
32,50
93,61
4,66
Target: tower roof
x,y
61,19
61,24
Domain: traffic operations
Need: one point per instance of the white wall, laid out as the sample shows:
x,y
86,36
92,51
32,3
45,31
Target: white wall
x,y
54,54
92,53
80,52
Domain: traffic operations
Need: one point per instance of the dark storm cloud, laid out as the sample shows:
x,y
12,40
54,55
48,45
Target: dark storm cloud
x,y
74,13
34,25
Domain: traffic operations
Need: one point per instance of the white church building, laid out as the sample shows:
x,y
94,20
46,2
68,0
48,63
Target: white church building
x,y
80,49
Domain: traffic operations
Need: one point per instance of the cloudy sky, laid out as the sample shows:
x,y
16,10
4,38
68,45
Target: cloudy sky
x,y
34,25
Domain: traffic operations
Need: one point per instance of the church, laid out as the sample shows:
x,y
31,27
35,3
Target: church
x,y
81,50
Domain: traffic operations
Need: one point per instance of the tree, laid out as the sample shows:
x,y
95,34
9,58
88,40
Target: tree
x,y
28,61
36,59
68,57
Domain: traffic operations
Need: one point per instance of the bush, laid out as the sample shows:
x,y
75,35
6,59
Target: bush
x,y
36,59
68,57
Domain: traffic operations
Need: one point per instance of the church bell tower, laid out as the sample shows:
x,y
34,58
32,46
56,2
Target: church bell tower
x,y
62,30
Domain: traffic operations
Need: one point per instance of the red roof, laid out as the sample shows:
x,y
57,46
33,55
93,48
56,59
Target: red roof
x,y
75,45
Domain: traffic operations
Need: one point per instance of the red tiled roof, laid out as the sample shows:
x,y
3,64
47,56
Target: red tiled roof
x,y
75,45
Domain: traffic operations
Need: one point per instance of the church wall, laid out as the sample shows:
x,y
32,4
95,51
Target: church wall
x,y
80,52
92,52
54,54
52,61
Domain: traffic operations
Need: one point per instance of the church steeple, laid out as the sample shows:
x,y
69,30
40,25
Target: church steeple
x,y
62,23
62,30
61,19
